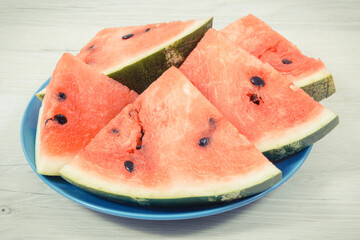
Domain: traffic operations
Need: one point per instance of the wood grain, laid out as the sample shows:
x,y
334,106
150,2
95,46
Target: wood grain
x,y
321,201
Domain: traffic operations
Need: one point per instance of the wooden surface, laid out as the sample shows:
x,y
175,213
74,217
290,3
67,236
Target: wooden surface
x,y
321,201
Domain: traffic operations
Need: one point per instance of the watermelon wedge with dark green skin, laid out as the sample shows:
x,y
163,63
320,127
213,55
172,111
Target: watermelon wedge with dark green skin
x,y
279,118
137,55
79,102
259,39
139,59
171,147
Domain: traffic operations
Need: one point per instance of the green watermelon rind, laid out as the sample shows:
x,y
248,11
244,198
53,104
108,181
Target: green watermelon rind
x,y
180,201
41,94
290,149
320,89
140,74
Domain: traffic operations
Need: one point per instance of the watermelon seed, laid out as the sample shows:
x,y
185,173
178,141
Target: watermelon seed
x,y
212,123
114,130
257,81
142,134
286,61
61,119
148,29
61,96
129,165
138,147
48,120
254,98
91,47
127,36
203,142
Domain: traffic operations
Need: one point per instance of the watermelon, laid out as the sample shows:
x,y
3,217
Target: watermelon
x,y
259,39
171,147
138,55
79,102
279,118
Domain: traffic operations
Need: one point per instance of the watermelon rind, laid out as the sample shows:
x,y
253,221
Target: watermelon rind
x,y
318,86
299,138
37,139
139,73
41,94
208,194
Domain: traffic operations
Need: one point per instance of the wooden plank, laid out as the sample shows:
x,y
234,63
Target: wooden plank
x,y
321,201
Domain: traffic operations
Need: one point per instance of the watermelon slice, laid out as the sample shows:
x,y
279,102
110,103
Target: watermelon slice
x,y
171,147
260,40
78,103
274,114
136,56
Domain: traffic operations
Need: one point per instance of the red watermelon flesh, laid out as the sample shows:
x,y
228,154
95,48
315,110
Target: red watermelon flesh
x,y
171,146
259,39
279,118
79,101
114,48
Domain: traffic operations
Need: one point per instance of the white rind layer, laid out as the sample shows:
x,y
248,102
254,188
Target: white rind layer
x,y
177,189
275,139
197,24
312,78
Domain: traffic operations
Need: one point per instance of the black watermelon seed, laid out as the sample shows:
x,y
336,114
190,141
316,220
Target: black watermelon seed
x,y
257,81
48,120
148,29
127,36
286,61
254,98
91,47
212,121
129,165
114,130
61,96
142,134
138,147
203,142
61,119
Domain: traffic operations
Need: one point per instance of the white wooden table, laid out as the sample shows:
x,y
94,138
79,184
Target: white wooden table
x,y
321,201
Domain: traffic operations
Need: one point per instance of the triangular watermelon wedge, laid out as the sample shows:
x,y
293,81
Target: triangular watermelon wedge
x,y
259,39
79,101
171,147
273,113
137,55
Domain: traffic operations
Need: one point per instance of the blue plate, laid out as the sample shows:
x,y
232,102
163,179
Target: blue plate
x,y
28,132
